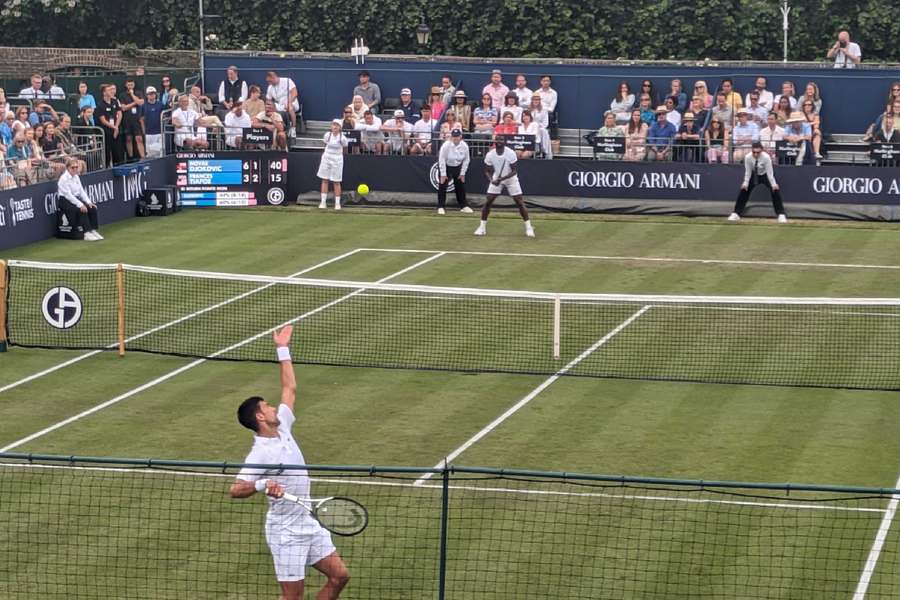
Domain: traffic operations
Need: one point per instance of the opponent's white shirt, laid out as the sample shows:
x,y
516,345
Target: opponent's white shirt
x,y
335,144
281,450
502,164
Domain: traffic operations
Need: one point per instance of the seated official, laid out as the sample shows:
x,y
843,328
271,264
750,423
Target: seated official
x,y
235,122
74,202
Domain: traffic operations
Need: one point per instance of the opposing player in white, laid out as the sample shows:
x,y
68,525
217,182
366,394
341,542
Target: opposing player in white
x,y
331,167
295,538
500,169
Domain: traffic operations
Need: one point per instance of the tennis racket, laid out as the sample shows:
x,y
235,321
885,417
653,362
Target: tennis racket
x,y
339,515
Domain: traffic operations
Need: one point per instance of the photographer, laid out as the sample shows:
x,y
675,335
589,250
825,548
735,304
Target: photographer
x,y
846,54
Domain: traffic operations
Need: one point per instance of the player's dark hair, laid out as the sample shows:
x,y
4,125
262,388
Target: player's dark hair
x,y
246,412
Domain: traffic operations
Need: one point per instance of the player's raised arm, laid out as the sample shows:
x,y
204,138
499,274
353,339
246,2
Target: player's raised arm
x,y
282,338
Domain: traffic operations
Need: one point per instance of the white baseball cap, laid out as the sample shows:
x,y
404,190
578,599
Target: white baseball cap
x,y
151,89
399,113
406,91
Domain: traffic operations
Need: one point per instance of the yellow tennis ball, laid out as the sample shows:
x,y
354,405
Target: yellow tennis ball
x,y
362,190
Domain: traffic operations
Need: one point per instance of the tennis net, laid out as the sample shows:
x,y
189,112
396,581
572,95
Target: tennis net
x,y
142,529
816,342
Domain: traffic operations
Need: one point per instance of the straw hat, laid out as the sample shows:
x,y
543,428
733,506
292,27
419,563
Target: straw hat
x,y
796,117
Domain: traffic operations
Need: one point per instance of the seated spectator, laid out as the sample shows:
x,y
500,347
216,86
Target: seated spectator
x,y
53,150
199,102
770,135
20,155
485,118
86,118
799,132
254,104
168,95
272,120
787,91
447,91
636,137
423,132
622,104
765,97
783,110
678,95
399,132
74,202
232,90
507,125
85,98
723,111
717,144
744,133
648,113
511,105
888,133
283,92
22,122
153,109
815,123
437,103
6,130
672,115
660,137
539,113
4,103
450,123
53,91
43,113
44,169
496,89
893,94
647,88
701,115
236,121
36,91
812,95
368,90
462,110
68,142
522,91
371,138
609,129
758,112
350,117
687,140
187,132
732,98
408,106
706,98
529,127
846,54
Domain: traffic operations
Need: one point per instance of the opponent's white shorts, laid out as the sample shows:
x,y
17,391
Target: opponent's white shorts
x,y
331,167
512,187
293,552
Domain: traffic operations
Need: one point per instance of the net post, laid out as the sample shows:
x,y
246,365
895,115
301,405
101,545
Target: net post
x,y
120,292
557,309
3,294
445,509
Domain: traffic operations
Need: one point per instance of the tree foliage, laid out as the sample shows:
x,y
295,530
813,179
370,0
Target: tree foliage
x,y
640,29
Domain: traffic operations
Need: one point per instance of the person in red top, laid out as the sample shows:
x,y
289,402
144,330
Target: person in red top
x,y
507,125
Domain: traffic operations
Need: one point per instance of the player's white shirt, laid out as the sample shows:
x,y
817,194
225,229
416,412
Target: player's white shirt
x,y
335,144
423,130
235,125
502,164
281,450
280,92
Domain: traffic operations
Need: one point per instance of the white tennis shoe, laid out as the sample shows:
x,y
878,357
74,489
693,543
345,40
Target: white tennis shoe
x,y
90,237
337,205
782,218
734,217
97,234
441,211
529,231
323,205
466,209
481,230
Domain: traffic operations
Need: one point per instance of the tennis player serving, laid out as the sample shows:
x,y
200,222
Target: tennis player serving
x,y
295,538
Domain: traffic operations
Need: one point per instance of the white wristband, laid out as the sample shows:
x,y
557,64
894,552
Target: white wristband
x,y
261,484
284,353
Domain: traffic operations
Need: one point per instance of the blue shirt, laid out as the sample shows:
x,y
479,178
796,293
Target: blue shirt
x,y
660,135
648,116
6,134
152,114
19,153
86,100
37,118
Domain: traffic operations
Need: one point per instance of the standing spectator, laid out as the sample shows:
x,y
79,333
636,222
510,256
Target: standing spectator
x,y
717,145
672,115
622,104
677,93
660,136
511,105
507,125
232,89
787,91
35,92
283,92
85,98
462,110
184,119
758,113
485,118
110,118
76,204
437,103
648,113
496,89
783,110
813,120
688,140
447,91
799,132
409,106
732,98
153,109
766,99
399,132
132,103
522,91
647,88
236,121
846,54
529,127
701,115
453,162
271,120
423,130
743,135
43,113
254,105
770,135
4,104
702,92
758,171
723,111
609,129
371,139
369,90
199,102
636,137
54,92
812,95
168,95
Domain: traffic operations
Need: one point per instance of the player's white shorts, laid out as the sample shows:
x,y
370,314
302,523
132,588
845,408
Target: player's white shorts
x,y
512,186
292,552
331,167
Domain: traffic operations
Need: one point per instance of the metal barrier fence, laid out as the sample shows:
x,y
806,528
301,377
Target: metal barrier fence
x,y
79,527
84,144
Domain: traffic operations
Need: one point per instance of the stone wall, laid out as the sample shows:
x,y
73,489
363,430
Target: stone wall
x,y
19,62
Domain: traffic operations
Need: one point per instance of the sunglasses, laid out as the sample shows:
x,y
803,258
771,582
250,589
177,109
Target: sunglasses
x,y
895,89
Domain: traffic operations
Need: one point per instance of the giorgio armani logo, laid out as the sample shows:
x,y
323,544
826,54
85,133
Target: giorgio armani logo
x,y
61,307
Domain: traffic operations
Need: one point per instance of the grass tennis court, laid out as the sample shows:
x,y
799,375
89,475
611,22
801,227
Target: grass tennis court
x,y
401,417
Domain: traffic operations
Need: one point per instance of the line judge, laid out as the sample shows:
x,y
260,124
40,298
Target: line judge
x,y
75,203
453,162
758,171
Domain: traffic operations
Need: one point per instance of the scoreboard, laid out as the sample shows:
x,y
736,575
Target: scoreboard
x,y
231,178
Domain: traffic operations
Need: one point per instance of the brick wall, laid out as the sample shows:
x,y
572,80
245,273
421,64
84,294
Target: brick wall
x,y
19,62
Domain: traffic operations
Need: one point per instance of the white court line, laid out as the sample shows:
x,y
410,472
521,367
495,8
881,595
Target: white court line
x,y
647,258
533,394
865,578
82,357
199,362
